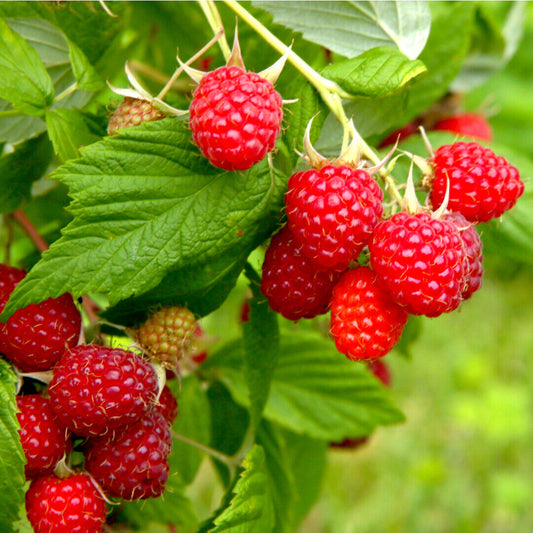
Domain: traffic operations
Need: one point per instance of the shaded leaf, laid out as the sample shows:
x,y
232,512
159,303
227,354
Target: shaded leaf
x,y
350,28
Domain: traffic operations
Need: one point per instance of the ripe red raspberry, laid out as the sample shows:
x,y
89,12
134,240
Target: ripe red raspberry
x,y
167,334
72,505
167,405
44,439
291,282
467,124
36,337
482,185
420,260
473,248
133,465
365,321
132,112
235,117
96,389
332,213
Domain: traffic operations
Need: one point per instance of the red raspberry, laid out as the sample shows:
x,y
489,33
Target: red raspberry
x,y
96,389
72,505
332,213
365,321
482,185
133,465
291,282
167,405
132,112
420,260
167,334
467,124
473,248
235,117
44,440
36,337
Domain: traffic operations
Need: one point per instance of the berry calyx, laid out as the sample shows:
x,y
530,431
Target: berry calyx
x,y
72,505
43,438
36,337
332,213
235,117
420,260
482,185
365,321
132,464
291,282
132,112
167,334
97,389
466,124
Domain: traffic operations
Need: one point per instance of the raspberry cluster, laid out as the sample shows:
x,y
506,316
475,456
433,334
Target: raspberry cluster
x,y
417,261
101,401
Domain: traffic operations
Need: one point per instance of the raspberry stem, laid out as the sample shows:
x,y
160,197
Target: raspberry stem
x,y
213,17
330,92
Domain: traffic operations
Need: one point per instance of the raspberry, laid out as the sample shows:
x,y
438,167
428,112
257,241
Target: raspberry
x,y
96,389
72,505
332,213
36,337
133,465
420,260
132,112
44,440
467,124
235,117
473,248
291,282
365,321
167,405
482,185
167,334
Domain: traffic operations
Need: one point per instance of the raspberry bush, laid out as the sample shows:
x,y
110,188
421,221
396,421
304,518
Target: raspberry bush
x,y
148,200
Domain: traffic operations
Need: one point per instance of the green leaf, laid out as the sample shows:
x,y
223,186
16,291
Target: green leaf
x,y
194,421
411,332
52,47
24,81
19,169
12,479
350,28
87,78
280,475
315,390
68,132
492,46
172,508
261,346
201,288
145,203
251,509
307,462
229,422
375,73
